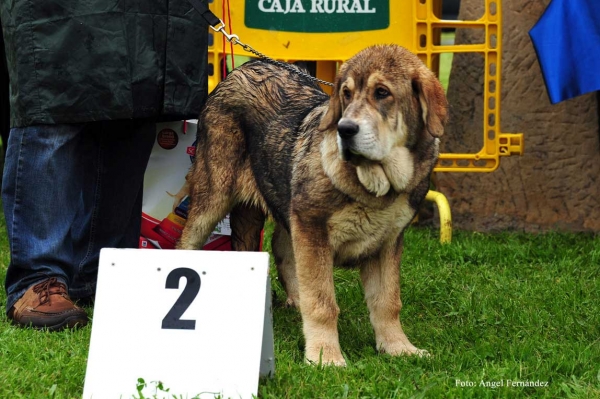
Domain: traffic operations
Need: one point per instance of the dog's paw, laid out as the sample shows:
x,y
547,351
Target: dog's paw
x,y
403,349
373,178
325,357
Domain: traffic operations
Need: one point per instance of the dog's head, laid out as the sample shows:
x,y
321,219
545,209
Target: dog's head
x,y
385,100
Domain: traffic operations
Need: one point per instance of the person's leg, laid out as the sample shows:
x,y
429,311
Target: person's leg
x,y
41,193
113,203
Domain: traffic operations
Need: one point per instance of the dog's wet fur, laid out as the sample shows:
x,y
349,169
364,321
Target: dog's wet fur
x,y
342,177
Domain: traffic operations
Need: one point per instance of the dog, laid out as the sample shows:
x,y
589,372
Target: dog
x,y
342,176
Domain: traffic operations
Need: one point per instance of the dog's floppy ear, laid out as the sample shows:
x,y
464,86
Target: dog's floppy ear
x,y
433,101
334,111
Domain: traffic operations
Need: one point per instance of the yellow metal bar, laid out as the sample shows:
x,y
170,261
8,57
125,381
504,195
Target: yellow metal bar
x,y
445,215
414,24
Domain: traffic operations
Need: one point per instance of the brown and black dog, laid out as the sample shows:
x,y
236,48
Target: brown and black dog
x,y
342,177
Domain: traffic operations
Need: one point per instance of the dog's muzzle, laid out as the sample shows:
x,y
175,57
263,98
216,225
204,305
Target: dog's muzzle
x,y
347,130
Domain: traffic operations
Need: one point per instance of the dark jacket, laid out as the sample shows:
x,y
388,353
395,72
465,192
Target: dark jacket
x,y
85,60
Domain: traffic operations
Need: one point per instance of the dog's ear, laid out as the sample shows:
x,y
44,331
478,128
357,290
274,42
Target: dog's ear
x,y
434,105
334,111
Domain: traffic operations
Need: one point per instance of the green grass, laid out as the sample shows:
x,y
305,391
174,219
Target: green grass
x,y
447,39
509,306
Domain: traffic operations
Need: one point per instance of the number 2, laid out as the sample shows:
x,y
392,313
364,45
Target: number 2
x,y
172,320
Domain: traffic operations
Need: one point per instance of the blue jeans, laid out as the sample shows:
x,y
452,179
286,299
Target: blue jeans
x,y
68,191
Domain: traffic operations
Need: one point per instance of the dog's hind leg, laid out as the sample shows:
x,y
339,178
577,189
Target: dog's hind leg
x,y
380,276
246,225
210,200
286,266
202,220
218,175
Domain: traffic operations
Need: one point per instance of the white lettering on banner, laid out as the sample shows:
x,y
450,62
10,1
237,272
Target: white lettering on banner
x,y
368,10
317,6
356,7
296,7
327,9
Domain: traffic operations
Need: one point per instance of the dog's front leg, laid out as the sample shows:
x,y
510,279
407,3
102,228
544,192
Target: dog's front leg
x,y
314,268
380,276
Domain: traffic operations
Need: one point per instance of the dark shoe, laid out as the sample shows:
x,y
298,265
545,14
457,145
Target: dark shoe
x,y
47,305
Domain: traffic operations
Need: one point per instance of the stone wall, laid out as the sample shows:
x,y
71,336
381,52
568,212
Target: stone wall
x,y
556,183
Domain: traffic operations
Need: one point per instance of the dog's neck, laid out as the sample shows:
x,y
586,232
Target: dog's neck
x,y
375,178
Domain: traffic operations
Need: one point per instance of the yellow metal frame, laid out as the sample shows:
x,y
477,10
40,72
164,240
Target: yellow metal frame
x,y
427,44
445,215
415,25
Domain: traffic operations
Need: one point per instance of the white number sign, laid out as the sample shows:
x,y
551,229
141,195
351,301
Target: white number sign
x,y
194,324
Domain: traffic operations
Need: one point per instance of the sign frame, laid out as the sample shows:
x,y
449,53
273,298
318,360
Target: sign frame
x,y
194,323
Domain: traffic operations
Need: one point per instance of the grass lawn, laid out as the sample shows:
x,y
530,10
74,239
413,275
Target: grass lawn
x,y
489,308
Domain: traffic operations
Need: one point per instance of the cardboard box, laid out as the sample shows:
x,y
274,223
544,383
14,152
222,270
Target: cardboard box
x,y
166,200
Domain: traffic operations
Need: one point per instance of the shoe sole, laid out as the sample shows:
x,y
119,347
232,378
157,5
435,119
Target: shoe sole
x,y
72,323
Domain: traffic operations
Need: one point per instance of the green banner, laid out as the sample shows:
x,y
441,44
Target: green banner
x,y
318,16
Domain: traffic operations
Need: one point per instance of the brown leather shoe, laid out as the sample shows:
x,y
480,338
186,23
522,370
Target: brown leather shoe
x,y
47,305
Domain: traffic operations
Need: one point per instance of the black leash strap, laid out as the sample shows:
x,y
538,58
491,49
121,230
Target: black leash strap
x,y
206,13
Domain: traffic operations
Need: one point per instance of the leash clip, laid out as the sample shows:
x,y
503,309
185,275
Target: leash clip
x,y
231,38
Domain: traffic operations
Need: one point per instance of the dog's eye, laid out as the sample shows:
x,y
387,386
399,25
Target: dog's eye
x,y
381,93
347,94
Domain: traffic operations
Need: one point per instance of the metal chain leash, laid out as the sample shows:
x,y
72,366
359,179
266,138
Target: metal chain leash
x,y
232,38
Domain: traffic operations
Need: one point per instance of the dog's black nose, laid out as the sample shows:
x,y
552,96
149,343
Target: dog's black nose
x,y
347,128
